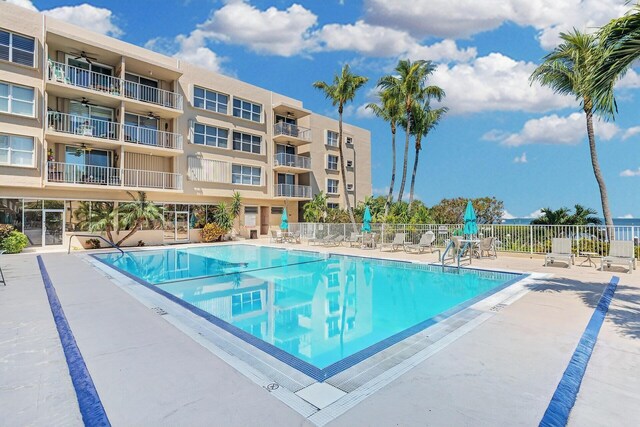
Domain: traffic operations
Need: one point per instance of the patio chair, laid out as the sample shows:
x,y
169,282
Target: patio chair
x,y
335,241
369,241
620,253
321,240
426,242
294,237
560,250
354,239
276,237
487,245
398,242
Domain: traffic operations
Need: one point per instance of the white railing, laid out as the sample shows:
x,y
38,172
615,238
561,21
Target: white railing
x,y
294,131
152,137
533,239
292,160
84,126
114,177
290,190
152,95
74,76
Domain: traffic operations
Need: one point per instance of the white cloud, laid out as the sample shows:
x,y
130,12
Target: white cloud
x,y
535,214
384,191
463,18
632,131
272,31
630,172
191,48
495,83
553,129
507,215
363,112
84,15
631,80
521,159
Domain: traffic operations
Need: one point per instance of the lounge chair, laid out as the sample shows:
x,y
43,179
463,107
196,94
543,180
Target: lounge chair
x,y
276,237
335,241
321,240
294,237
369,240
560,250
487,245
620,253
354,239
426,242
398,242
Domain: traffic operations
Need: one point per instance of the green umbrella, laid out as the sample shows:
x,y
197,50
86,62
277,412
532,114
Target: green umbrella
x,y
284,225
366,220
470,223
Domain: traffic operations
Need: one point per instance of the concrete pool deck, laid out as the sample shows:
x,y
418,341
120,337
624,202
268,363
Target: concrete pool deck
x,y
148,372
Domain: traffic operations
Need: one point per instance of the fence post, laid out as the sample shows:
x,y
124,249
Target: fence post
x,y
382,233
531,239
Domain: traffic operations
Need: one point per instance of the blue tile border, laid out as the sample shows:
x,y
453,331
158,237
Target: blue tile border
x,y
346,363
557,413
91,409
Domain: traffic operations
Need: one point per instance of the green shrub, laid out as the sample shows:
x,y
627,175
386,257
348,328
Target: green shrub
x,y
15,242
93,244
5,230
212,233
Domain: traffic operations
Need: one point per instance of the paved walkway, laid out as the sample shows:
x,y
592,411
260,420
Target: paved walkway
x,y
147,372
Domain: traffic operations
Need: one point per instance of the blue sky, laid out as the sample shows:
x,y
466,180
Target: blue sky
x,y
502,137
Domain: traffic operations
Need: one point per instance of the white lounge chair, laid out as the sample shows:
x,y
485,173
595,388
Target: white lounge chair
x,y
620,253
426,242
354,239
276,237
335,241
398,242
560,250
321,240
369,240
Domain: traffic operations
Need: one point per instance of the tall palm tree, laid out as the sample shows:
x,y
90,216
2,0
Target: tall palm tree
x,y
549,216
104,216
424,120
570,70
134,213
409,86
389,110
340,92
584,216
314,210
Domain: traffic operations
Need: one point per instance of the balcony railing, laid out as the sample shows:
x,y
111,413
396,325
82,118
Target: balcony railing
x,y
294,131
292,160
74,76
152,137
152,95
83,126
70,173
290,190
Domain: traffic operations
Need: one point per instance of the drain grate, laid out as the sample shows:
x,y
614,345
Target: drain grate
x,y
498,307
158,310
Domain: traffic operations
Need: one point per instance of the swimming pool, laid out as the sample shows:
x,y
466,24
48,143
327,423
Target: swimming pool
x,y
316,312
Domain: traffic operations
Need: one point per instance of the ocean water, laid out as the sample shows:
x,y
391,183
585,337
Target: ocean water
x,y
616,221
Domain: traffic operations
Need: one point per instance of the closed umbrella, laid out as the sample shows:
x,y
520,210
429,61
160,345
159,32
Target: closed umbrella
x,y
284,225
366,220
470,222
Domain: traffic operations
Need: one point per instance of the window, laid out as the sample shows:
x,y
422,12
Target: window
x,y
333,205
349,141
332,186
332,162
277,210
245,302
349,187
16,150
17,99
209,135
332,138
349,163
250,216
245,175
16,48
246,142
210,100
247,110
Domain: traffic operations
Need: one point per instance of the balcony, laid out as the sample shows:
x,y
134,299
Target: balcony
x,y
152,137
293,191
293,134
82,126
69,173
291,163
114,87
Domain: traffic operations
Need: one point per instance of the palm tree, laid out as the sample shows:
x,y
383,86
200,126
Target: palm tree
x,y
389,110
134,213
103,218
553,217
584,216
408,86
340,92
570,70
314,210
424,120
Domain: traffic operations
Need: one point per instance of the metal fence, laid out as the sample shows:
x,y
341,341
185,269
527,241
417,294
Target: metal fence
x,y
533,239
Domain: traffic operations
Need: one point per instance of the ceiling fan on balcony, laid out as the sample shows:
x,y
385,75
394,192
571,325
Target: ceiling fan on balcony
x,y
82,148
153,115
85,101
87,56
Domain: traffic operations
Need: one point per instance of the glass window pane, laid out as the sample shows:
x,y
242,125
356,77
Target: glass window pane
x,y
4,38
198,102
22,93
20,158
4,89
4,105
23,43
4,52
4,155
21,107
22,143
4,141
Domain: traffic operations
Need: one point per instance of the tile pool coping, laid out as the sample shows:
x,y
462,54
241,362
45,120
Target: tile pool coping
x,y
322,374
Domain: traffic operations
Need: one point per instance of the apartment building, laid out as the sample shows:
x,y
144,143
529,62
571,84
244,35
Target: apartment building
x,y
86,118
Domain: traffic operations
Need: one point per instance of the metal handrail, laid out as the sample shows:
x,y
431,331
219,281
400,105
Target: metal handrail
x,y
96,237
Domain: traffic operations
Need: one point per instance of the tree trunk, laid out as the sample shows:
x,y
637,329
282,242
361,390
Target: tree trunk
x,y
406,154
415,169
109,235
343,170
130,233
604,198
387,205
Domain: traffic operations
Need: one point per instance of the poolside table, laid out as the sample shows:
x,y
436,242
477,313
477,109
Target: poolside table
x,y
589,260
475,244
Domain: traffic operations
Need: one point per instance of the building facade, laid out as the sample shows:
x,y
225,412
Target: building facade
x,y
86,118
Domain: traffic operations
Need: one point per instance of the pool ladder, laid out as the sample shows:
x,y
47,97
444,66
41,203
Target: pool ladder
x,y
456,257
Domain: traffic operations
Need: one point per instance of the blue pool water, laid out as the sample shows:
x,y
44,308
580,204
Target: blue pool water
x,y
320,309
